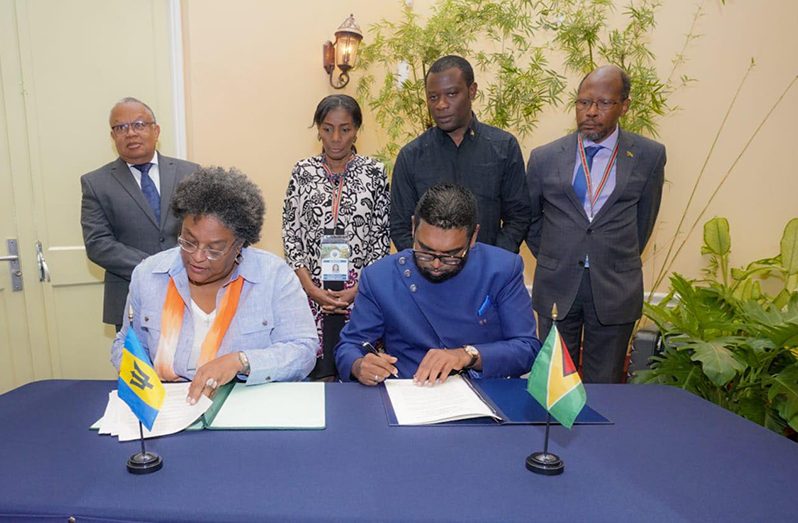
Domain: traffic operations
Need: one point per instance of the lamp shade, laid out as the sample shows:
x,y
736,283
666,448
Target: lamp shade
x,y
347,41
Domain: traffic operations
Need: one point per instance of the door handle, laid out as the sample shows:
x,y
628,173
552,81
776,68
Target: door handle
x,y
44,271
13,266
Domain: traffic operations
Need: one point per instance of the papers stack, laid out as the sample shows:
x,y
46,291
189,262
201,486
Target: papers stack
x,y
174,416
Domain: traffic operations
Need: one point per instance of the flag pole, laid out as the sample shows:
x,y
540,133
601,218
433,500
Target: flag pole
x,y
142,462
545,462
545,441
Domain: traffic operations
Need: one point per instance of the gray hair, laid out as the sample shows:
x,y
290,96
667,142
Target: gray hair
x,y
131,100
228,195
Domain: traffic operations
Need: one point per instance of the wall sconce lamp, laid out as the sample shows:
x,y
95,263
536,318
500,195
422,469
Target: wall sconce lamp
x,y
342,53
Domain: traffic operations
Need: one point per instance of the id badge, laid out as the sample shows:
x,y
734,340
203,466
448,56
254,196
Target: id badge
x,y
334,258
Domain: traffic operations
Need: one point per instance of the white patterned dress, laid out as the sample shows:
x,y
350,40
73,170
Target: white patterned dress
x,y
363,216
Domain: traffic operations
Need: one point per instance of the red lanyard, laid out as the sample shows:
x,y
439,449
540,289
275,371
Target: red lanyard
x,y
337,192
593,197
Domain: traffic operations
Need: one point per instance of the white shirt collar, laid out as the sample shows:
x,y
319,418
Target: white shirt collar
x,y
153,160
609,142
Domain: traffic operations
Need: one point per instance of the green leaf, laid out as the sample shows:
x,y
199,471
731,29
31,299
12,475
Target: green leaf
x,y
753,408
717,240
789,247
778,324
783,394
782,299
716,359
674,367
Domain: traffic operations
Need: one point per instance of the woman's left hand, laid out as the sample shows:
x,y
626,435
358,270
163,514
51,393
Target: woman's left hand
x,y
346,295
213,375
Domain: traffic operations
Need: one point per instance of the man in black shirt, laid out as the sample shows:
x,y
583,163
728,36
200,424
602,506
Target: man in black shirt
x,y
463,151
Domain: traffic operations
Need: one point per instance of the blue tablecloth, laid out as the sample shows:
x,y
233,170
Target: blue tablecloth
x,y
669,456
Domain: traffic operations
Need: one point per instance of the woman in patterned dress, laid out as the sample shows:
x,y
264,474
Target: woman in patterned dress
x,y
335,194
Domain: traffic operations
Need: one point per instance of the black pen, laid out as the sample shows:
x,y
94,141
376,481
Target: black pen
x,y
370,348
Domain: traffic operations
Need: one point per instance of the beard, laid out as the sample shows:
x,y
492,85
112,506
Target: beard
x,y
597,133
442,277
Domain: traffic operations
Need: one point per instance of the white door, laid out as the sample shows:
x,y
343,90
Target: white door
x,y
63,64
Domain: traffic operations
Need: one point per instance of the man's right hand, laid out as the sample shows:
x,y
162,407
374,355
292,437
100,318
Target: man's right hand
x,y
372,369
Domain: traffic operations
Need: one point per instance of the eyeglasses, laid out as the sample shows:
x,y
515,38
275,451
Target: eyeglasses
x,y
446,259
583,104
211,254
138,126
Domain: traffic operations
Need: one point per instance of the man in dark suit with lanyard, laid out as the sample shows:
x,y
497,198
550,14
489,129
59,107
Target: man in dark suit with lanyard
x,y
125,205
595,195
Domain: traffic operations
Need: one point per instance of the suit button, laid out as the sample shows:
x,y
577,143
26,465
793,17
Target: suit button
x,y
412,287
589,231
162,239
581,263
407,273
402,260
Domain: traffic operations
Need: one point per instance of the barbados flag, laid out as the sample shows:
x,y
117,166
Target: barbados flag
x,y
138,383
554,381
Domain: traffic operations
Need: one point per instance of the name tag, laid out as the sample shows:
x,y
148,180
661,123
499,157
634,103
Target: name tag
x,y
334,258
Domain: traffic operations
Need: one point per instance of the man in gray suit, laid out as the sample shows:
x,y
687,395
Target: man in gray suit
x,y
595,196
125,207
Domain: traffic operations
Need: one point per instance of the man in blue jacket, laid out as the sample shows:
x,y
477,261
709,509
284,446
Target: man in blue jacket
x,y
448,304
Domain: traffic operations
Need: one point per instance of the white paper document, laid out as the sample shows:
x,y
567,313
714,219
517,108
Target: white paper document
x,y
422,405
174,416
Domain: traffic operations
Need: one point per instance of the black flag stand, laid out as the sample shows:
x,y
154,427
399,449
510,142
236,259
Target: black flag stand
x,y
142,462
545,462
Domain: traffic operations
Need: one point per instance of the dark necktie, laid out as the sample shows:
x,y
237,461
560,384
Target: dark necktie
x,y
580,181
149,190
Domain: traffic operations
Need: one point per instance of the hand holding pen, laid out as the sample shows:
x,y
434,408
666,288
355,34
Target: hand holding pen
x,y
373,368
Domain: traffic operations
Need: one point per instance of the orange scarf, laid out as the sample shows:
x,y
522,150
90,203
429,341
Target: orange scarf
x,y
172,322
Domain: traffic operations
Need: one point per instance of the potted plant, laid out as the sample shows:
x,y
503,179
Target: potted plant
x,y
732,336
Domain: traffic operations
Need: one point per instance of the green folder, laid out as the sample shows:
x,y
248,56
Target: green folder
x,y
236,406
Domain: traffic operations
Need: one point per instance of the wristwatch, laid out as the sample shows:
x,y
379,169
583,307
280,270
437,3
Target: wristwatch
x,y
474,353
242,358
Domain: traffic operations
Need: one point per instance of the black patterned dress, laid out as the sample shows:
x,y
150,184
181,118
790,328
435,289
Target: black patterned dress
x,y
362,218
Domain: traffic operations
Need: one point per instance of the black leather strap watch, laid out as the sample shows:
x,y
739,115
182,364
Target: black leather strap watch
x,y
474,353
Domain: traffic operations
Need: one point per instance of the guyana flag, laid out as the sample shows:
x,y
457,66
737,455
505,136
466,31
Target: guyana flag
x,y
138,384
554,381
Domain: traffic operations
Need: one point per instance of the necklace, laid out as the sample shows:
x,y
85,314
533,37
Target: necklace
x,y
329,168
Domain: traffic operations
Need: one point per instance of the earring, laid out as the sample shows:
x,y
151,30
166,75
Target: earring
x,y
239,258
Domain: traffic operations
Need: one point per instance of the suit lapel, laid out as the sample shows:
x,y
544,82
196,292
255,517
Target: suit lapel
x,y
623,169
565,173
122,174
417,288
167,170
